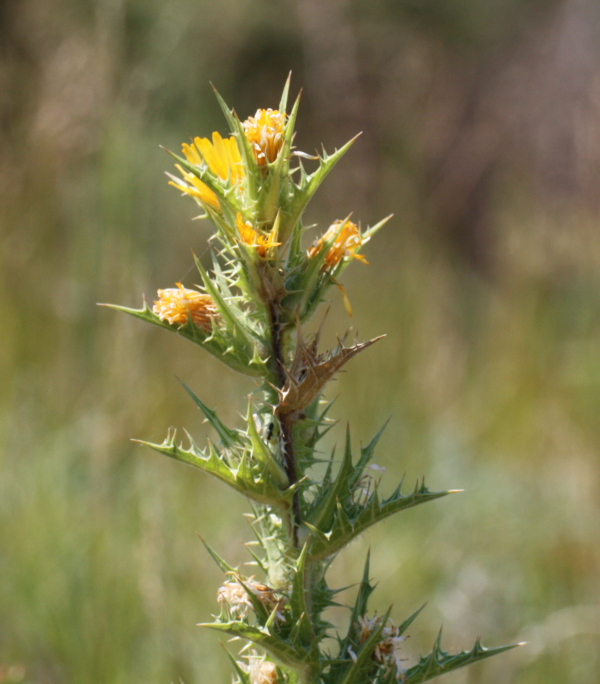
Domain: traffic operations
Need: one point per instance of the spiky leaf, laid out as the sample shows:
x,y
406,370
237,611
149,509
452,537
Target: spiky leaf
x,y
440,662
229,437
298,603
279,649
311,183
350,520
240,473
243,360
359,669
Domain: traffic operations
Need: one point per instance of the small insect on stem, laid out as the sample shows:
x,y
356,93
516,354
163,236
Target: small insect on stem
x,y
270,429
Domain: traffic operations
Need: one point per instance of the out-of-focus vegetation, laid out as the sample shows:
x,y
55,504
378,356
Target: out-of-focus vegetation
x,y
482,134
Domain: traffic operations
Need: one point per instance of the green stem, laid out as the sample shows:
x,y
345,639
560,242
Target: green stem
x,y
286,423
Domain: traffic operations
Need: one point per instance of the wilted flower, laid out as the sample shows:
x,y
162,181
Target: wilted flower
x,y
366,485
251,237
261,671
345,245
265,132
176,305
222,156
387,649
236,596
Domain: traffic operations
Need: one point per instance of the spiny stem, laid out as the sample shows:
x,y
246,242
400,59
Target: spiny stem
x,y
286,422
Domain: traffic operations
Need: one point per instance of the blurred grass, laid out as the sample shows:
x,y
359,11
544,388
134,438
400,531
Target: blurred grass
x,y
492,382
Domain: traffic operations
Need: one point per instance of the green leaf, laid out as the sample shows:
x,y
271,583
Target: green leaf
x,y
231,317
239,475
261,612
263,455
190,330
358,671
216,343
344,263
439,662
226,231
311,183
309,278
228,437
322,516
273,535
284,95
224,565
244,676
360,605
228,113
408,622
298,604
350,521
244,343
257,559
282,164
366,455
377,227
279,649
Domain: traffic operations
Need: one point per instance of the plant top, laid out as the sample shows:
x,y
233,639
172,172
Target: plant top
x,y
265,283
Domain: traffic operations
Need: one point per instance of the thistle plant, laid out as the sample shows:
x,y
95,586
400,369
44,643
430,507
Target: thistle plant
x,y
266,282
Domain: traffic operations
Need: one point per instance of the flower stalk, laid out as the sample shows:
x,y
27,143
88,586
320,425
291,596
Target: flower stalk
x,y
267,280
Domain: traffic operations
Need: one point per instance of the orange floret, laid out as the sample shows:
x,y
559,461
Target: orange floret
x,y
345,245
251,237
175,305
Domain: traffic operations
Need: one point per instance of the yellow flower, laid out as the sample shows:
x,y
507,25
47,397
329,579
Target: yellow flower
x,y
345,245
222,156
250,236
176,305
265,131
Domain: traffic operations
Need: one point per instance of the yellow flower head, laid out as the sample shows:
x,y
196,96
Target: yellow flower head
x,y
176,305
265,131
222,156
345,246
251,237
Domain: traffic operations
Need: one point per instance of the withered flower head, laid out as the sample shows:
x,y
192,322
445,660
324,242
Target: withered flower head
x,y
251,237
262,671
265,132
222,157
387,649
236,596
176,305
345,245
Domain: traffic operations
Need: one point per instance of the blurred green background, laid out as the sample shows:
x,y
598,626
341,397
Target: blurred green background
x,y
482,134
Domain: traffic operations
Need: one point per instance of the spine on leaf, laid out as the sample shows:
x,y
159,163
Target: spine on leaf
x,y
265,282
